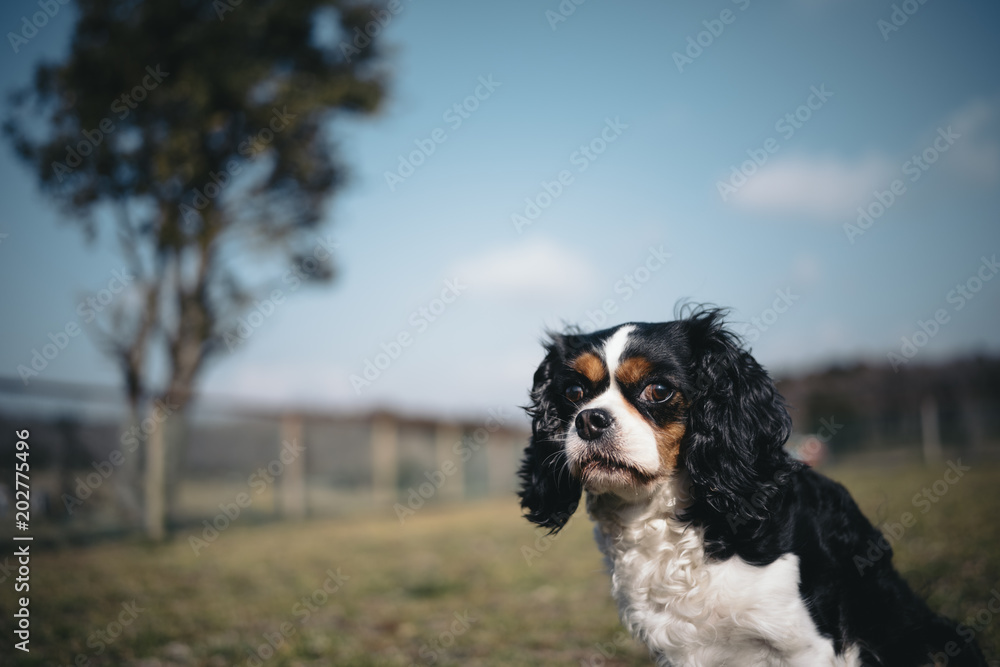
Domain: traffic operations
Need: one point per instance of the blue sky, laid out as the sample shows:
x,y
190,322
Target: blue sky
x,y
828,106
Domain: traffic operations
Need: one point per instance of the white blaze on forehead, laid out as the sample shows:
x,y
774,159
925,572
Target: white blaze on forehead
x,y
634,439
614,347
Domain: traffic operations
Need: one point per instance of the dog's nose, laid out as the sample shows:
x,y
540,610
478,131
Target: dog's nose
x,y
591,424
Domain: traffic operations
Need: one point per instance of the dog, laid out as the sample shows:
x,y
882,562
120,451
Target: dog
x,y
723,550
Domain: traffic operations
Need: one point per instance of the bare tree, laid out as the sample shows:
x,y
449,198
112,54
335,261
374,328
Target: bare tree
x,y
200,132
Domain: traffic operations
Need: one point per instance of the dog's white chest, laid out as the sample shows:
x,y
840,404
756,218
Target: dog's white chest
x,y
694,613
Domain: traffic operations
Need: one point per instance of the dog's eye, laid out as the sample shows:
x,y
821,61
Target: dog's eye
x,y
656,393
574,392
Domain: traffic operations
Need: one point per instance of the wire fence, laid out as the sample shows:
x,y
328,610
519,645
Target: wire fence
x,y
233,463
88,461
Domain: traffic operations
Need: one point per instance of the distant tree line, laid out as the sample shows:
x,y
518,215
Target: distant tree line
x,y
876,407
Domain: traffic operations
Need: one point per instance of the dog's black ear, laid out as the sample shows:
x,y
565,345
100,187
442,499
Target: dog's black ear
x,y
737,425
549,493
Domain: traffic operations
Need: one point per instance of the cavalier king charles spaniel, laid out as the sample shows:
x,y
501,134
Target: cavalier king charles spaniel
x,y
723,550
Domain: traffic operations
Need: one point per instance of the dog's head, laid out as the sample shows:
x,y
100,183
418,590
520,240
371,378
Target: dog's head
x,y
622,410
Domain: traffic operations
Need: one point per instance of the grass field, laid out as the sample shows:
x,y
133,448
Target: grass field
x,y
451,586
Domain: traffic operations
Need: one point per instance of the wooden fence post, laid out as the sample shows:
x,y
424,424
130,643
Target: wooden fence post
x,y
930,430
292,485
446,436
385,465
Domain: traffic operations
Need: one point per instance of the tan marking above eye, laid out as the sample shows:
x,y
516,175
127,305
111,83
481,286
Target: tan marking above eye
x,y
633,370
590,366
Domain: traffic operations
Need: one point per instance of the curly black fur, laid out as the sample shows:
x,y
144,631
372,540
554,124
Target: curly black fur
x,y
549,493
733,401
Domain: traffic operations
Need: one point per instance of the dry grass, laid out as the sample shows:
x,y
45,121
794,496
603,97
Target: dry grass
x,y
404,584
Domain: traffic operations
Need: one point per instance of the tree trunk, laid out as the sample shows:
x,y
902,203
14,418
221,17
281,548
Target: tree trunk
x,y
186,357
128,480
176,438
155,489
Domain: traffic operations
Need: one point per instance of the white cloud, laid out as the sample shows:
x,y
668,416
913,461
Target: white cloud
x,y
537,268
823,188
281,384
827,188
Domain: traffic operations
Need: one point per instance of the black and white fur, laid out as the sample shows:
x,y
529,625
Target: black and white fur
x,y
723,550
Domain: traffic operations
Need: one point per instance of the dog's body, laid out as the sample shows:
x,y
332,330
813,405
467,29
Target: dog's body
x,y
697,611
723,551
